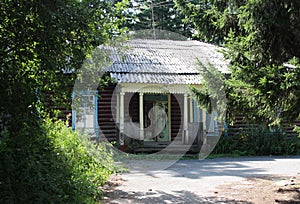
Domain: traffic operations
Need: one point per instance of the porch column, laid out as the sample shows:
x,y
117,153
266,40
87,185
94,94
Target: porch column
x,y
191,111
121,136
141,104
185,119
118,109
204,126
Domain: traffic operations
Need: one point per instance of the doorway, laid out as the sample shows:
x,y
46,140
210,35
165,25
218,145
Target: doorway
x,y
156,117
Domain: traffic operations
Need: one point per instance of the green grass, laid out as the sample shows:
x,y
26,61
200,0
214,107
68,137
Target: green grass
x,y
52,164
166,157
153,157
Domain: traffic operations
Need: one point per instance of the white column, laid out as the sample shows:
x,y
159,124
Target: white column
x,y
211,123
185,119
121,139
204,126
118,109
191,111
169,117
141,104
216,125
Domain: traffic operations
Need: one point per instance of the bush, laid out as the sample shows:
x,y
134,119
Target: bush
x,y
297,129
54,165
258,141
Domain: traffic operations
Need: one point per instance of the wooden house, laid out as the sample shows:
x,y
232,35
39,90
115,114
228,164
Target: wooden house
x,y
150,106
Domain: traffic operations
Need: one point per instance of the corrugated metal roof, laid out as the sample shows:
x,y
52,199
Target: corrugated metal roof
x,y
164,61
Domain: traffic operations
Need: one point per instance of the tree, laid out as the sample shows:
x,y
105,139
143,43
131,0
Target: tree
x,y
157,14
42,161
40,39
265,59
261,40
212,19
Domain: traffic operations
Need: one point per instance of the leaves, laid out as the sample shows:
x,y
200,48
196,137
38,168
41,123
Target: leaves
x,y
211,96
260,37
56,166
163,17
213,19
40,40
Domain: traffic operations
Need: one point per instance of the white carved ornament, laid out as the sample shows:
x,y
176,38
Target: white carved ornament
x,y
154,88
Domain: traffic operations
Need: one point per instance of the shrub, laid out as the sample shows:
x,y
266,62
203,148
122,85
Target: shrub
x,y
259,142
51,166
297,129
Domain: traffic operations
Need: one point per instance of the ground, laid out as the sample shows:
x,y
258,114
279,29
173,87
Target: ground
x,y
274,189
228,180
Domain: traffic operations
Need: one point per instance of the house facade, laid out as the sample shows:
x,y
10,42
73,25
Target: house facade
x,y
150,106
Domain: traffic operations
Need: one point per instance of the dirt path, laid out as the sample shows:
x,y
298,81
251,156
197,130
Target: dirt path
x,y
227,180
271,189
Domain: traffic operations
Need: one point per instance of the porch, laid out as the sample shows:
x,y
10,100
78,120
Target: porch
x,y
176,146
152,118
164,147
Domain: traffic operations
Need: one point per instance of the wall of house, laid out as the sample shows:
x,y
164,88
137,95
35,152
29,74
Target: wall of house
x,y
176,117
106,113
64,109
132,112
240,124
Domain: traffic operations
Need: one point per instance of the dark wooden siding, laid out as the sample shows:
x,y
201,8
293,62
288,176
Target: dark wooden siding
x,y
65,113
290,129
176,116
63,106
240,124
106,113
132,112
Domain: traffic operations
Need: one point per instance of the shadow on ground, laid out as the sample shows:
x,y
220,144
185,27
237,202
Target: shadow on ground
x,y
222,167
294,200
194,181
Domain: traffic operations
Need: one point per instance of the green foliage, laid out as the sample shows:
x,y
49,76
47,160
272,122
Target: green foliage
x,y
297,129
164,17
212,19
40,39
272,96
257,141
212,95
203,98
265,67
43,162
55,166
262,40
